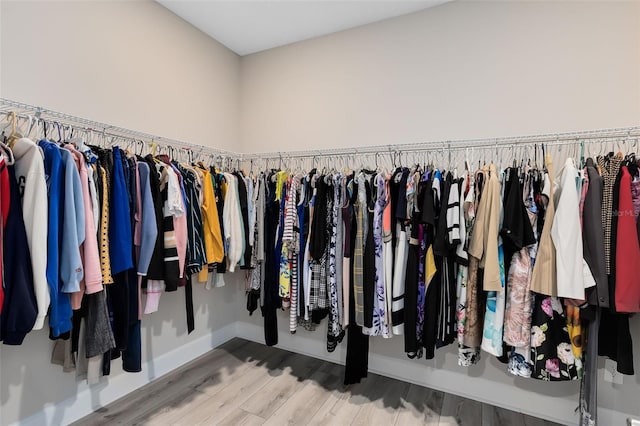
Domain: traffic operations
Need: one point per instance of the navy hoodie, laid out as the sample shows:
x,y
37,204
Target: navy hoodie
x,y
19,311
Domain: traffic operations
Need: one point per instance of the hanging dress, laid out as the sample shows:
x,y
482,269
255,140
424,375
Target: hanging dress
x,y
380,325
430,212
357,360
335,332
401,251
369,269
551,352
475,297
467,356
517,234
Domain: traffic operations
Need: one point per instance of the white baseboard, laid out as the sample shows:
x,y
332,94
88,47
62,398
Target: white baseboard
x,y
119,385
559,410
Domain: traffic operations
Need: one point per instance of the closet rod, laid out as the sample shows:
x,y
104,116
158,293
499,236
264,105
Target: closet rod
x,y
107,129
551,139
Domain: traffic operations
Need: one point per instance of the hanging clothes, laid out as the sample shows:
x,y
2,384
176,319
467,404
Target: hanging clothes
x,y
92,280
5,199
627,289
519,238
271,301
593,246
484,241
243,204
446,240
467,356
551,350
335,332
475,296
544,278
29,169
60,305
369,269
20,309
357,359
358,252
400,238
566,234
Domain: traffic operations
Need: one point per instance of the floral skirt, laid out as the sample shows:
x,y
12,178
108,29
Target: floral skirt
x,y
552,354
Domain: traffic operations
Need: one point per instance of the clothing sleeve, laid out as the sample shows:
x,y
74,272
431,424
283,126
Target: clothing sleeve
x,y
180,228
226,215
232,208
492,280
476,244
95,206
71,271
461,253
214,222
35,212
453,214
484,241
174,195
149,226
251,201
567,238
92,271
154,291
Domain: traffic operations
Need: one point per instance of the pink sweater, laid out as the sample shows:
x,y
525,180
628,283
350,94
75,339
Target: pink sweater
x,y
92,280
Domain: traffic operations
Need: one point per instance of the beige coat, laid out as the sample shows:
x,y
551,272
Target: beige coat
x,y
544,278
484,241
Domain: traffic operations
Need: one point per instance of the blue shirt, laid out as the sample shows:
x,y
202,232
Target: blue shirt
x,y
60,313
73,226
120,236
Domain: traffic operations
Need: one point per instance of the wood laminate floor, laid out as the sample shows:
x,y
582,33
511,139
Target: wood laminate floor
x,y
246,383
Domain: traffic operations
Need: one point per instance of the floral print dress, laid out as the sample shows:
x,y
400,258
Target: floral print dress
x,y
380,321
551,351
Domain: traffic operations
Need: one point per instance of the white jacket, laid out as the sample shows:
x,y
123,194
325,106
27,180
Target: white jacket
x,y
566,234
232,221
29,167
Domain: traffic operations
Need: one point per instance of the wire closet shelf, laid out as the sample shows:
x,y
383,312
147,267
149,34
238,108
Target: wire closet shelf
x,y
447,151
62,123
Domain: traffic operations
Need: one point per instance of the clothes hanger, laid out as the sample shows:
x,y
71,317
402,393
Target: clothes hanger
x,y
7,119
5,148
29,126
13,136
619,154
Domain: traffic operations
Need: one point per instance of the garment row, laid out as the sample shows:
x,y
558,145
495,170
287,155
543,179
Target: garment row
x,y
533,268
515,261
87,232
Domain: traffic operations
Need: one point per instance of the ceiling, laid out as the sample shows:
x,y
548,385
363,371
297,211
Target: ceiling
x,y
252,26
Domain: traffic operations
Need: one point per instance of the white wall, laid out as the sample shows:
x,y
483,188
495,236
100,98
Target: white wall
x,y
136,65
127,63
461,70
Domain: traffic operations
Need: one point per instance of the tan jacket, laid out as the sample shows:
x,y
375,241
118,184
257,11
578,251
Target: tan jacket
x,y
484,241
544,278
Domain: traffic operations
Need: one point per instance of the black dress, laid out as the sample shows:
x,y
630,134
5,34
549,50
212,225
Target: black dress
x,y
357,362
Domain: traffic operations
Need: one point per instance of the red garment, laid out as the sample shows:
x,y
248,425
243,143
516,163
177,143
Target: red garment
x,y
5,196
627,250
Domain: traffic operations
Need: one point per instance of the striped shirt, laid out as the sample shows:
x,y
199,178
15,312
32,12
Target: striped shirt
x,y
195,241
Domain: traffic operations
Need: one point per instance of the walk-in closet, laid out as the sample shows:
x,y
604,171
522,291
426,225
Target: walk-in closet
x,y
319,212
